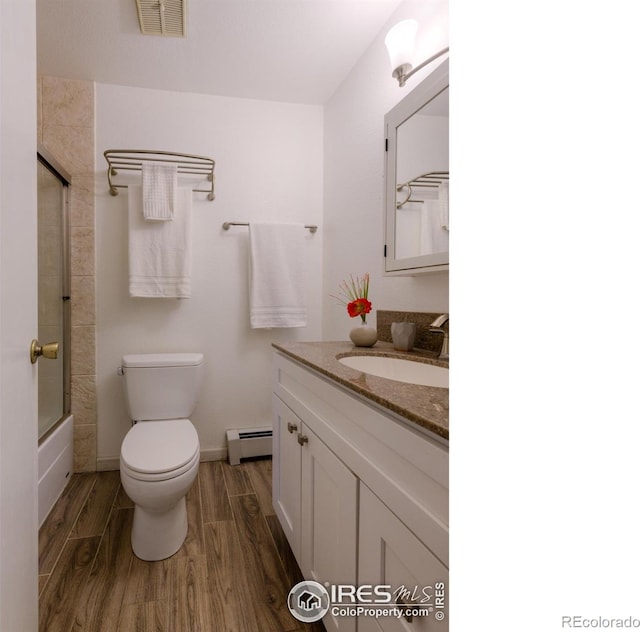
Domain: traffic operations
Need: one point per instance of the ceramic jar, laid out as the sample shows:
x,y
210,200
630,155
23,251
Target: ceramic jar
x,y
403,336
364,336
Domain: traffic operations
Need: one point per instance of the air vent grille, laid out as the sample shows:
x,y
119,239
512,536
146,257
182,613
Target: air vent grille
x,y
162,17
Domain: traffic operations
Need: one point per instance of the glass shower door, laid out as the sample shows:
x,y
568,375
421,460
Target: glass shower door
x,y
52,290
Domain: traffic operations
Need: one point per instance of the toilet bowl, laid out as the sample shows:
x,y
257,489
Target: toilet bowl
x,y
157,481
159,457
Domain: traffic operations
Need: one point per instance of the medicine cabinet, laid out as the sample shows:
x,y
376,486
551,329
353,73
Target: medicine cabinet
x,y
417,178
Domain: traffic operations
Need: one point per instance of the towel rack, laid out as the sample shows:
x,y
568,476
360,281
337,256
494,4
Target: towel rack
x,y
431,179
132,159
228,225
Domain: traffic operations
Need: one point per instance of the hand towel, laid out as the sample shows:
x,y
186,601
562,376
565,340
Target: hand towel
x,y
443,196
160,252
277,297
159,185
435,238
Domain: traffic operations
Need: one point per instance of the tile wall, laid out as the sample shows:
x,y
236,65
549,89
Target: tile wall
x,y
425,339
66,130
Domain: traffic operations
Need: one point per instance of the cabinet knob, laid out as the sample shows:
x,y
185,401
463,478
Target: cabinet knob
x,y
292,427
302,439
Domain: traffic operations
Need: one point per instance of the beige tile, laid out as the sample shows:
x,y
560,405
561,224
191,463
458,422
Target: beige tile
x,y
72,146
84,448
66,129
68,102
83,300
39,91
83,350
82,201
83,251
83,399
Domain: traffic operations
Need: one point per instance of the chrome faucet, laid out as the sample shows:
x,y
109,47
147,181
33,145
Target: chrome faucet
x,y
436,327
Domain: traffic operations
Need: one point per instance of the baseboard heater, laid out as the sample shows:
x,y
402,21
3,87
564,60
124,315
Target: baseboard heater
x,y
248,443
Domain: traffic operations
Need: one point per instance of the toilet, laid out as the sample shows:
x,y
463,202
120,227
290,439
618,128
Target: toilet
x,y
160,454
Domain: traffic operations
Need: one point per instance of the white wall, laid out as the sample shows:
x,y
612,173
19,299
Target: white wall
x,y
425,146
354,177
274,161
268,167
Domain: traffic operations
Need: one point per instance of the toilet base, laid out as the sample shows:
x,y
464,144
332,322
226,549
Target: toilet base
x,y
158,535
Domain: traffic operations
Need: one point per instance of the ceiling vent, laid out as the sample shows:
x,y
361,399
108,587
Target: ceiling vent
x,y
162,17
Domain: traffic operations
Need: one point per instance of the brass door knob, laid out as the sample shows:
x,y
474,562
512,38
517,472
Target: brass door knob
x,y
50,350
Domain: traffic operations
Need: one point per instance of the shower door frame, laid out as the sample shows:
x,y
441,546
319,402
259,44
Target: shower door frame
x,y
49,162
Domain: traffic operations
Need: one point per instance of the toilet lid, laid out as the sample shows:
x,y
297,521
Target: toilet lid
x,y
153,447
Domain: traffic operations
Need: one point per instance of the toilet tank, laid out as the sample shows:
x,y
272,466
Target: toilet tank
x,y
162,385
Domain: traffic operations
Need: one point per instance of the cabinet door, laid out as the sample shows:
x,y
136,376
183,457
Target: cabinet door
x,y
286,472
389,554
329,521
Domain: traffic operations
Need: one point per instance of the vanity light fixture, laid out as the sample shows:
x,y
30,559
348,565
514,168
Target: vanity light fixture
x,y
400,41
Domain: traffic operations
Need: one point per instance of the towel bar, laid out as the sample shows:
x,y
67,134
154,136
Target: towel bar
x,y
132,159
432,179
228,225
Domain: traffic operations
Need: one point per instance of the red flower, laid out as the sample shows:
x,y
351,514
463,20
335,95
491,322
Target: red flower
x,y
359,307
354,293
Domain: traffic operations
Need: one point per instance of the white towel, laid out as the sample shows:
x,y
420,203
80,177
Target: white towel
x,y
159,186
435,238
277,275
443,196
160,252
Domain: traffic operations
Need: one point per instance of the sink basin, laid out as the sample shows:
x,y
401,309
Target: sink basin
x,y
399,369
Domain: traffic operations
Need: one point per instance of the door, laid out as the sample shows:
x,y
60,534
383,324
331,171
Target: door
x,y
18,318
390,555
286,472
52,293
329,521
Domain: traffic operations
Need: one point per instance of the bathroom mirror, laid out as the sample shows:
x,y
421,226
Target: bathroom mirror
x,y
417,179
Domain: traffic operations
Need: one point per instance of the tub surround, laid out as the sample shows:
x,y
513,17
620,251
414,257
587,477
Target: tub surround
x,y
425,406
55,465
66,129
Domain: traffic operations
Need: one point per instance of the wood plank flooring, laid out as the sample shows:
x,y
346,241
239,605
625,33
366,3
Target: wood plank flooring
x,y
232,574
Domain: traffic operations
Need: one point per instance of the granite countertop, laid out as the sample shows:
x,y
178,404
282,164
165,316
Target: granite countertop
x,y
426,406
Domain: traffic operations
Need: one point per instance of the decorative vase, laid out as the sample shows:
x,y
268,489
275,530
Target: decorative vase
x,y
364,335
403,336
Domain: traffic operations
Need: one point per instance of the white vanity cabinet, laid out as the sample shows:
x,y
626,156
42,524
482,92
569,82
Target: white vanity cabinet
x,y
362,495
315,497
389,554
287,473
316,501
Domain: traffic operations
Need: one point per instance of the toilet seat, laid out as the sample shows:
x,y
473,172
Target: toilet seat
x,y
162,476
160,450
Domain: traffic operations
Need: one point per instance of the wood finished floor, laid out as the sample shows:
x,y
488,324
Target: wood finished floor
x,y
232,574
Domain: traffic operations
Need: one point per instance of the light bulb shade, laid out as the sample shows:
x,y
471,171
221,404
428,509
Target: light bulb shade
x,y
400,42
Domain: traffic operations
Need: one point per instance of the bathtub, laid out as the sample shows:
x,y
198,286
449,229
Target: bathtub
x,y
55,466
